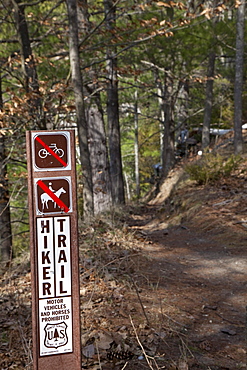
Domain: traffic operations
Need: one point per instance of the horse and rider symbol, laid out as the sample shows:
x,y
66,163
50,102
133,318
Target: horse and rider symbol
x,y
53,195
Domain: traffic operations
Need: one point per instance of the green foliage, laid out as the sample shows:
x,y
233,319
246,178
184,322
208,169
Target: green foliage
x,y
17,183
211,168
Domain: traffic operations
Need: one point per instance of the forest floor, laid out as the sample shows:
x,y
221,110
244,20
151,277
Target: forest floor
x,y
163,285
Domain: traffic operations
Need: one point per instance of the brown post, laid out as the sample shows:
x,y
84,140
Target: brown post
x,y
54,250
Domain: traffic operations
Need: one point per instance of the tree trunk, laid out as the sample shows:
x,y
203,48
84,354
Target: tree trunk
x,y
28,66
182,105
114,138
208,101
99,161
168,156
5,224
137,171
167,136
98,150
80,109
238,86
160,94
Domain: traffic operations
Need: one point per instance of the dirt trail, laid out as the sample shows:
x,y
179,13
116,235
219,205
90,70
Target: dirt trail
x,y
201,281
198,262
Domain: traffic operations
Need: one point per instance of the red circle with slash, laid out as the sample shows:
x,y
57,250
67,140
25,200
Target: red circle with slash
x,y
51,151
53,196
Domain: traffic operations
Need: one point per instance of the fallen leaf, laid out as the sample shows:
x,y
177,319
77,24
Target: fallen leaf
x,y
89,351
104,341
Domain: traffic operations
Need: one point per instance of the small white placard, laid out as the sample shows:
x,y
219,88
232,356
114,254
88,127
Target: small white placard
x,y
55,326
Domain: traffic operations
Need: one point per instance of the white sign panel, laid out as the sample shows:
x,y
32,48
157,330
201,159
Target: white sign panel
x,y
46,266
55,325
54,268
62,256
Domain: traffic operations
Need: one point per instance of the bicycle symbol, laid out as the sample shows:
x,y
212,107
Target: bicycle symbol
x,y
43,153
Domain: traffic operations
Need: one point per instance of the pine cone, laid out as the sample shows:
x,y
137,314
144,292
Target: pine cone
x,y
119,355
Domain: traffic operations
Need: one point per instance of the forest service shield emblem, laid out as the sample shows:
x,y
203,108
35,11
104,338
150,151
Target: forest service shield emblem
x,y
56,335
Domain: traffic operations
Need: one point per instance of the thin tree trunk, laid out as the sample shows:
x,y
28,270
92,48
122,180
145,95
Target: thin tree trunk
x,y
116,169
137,172
28,66
160,94
238,86
208,101
182,105
167,136
5,224
127,185
80,109
168,142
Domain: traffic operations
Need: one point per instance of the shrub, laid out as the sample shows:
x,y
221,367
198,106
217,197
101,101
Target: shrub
x,y
212,167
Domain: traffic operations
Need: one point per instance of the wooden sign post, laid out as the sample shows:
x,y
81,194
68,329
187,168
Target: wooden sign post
x,y
54,250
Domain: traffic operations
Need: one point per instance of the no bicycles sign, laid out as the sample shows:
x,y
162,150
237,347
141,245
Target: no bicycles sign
x,y
54,250
51,151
